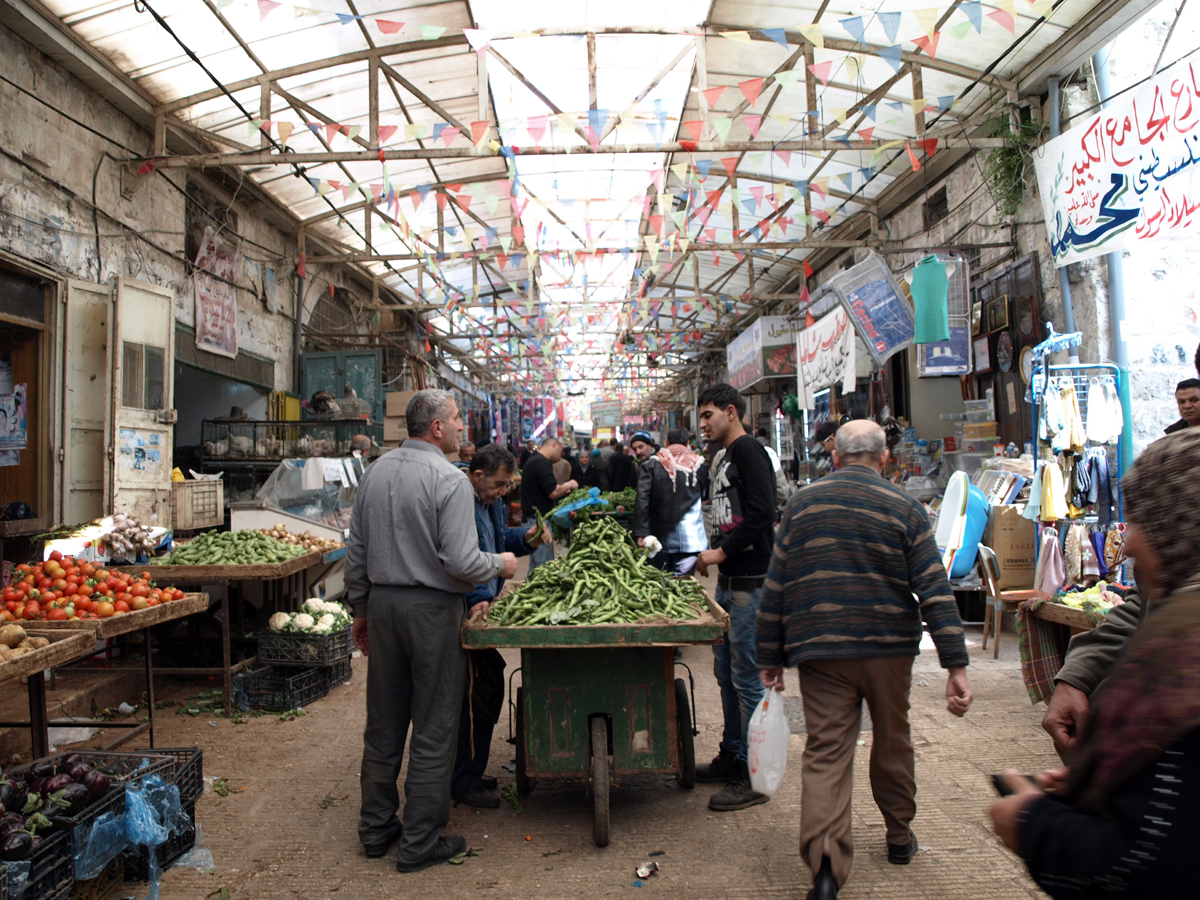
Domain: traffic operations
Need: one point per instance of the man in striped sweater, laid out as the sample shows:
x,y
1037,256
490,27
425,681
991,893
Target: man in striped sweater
x,y
838,603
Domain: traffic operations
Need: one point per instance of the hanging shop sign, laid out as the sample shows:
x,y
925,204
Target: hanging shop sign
x,y
1126,174
607,414
826,356
767,349
877,307
216,297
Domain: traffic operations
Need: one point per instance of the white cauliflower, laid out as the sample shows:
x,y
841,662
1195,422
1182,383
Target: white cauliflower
x,y
335,608
314,605
280,621
327,620
322,628
303,621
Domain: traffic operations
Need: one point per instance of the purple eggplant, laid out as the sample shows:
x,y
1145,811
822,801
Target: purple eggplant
x,y
35,786
97,784
41,770
72,799
78,770
56,783
69,760
8,795
16,845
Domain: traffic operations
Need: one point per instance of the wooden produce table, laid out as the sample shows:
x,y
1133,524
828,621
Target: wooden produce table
x,y
64,647
1075,619
587,689
126,623
288,584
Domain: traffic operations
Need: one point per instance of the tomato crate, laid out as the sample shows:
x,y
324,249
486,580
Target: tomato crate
x,y
189,770
137,859
285,648
51,869
104,886
281,689
339,672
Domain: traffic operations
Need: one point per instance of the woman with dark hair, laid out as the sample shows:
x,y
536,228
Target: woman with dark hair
x,y
1124,819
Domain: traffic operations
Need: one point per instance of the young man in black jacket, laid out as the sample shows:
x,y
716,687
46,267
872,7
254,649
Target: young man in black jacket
x,y
669,487
742,488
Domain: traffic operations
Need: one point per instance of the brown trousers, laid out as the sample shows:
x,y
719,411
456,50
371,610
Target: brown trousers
x,y
833,691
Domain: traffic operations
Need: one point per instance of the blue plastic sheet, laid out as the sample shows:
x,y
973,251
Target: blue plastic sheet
x,y
562,518
152,813
97,845
18,879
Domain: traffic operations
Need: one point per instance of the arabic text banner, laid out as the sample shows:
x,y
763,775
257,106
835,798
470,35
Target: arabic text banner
x,y
1126,174
825,355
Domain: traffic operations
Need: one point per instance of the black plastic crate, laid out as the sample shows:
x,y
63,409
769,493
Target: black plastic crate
x,y
112,802
105,886
280,689
339,672
137,859
285,648
189,770
51,869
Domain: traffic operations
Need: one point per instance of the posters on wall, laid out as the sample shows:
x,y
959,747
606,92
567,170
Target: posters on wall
x,y
825,355
216,299
140,450
1126,174
12,419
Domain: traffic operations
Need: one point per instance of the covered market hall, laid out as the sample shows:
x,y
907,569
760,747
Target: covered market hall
x,y
530,449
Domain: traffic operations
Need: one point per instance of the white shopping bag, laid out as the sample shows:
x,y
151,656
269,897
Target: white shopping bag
x,y
769,735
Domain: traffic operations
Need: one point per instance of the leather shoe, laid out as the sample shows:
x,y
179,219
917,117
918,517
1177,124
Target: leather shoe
x,y
489,782
478,798
374,851
824,887
902,854
447,847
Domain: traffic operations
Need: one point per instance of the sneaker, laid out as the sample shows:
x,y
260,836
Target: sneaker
x,y
902,854
374,851
447,847
737,794
721,769
489,782
478,798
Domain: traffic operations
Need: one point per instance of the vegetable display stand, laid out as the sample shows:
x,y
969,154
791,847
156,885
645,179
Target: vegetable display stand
x,y
126,623
106,885
284,586
601,702
64,647
284,648
277,689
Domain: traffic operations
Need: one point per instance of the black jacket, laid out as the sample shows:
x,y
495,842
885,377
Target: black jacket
x,y
660,506
620,472
589,477
1176,426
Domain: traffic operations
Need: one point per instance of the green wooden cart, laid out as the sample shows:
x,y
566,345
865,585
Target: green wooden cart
x,y
599,702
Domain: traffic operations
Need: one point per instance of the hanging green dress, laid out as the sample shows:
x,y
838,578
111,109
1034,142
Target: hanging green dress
x,y
929,290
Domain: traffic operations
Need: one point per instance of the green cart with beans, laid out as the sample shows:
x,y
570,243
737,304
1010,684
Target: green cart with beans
x,y
599,702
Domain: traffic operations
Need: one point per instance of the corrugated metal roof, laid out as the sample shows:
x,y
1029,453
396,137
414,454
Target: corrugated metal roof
x,y
584,216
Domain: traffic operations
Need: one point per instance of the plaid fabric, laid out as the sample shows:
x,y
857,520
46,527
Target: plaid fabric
x,y
1043,649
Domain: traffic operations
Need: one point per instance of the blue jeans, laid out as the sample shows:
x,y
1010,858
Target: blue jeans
x,y
543,554
736,670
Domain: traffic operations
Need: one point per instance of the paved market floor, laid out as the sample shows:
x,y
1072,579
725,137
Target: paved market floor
x,y
287,830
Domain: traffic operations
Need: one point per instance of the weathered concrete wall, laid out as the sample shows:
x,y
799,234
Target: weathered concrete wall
x,y
49,168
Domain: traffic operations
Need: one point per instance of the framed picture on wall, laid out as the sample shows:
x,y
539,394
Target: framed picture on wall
x,y
983,359
976,318
997,313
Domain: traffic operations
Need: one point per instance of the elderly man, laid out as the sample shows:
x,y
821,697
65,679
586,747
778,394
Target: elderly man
x,y
466,452
669,489
642,445
491,471
360,446
412,554
851,552
540,491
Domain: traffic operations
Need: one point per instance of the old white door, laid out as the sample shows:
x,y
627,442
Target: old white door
x,y
86,400
143,359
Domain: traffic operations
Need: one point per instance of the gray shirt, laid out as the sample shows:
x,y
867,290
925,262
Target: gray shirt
x,y
414,526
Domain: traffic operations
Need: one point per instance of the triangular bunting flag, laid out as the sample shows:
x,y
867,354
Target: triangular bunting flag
x,y
386,26
927,19
751,88
891,24
778,35
754,123
787,78
285,131
449,133
346,18
930,145
266,7
959,31
694,127
973,10
854,27
431,32
742,37
929,44
865,133
1004,18
479,131
712,95
912,157
730,164
722,126
892,56
822,69
385,132
331,128
814,34
477,38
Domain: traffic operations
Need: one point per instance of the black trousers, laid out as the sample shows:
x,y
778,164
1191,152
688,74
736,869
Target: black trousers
x,y
482,705
416,672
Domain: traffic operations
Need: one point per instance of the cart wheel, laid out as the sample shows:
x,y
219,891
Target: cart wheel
x,y
524,783
600,780
687,740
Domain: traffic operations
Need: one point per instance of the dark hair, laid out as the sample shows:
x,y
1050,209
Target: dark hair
x,y
1188,383
761,432
678,436
1197,359
722,396
491,458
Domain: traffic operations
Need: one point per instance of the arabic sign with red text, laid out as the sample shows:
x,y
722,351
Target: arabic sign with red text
x,y
1126,174
825,355
764,350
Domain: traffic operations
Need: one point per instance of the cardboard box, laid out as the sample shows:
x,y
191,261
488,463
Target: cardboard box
x,y
397,403
980,429
1012,538
395,428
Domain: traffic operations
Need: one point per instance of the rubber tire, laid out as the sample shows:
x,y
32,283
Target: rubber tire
x,y
687,740
600,781
524,782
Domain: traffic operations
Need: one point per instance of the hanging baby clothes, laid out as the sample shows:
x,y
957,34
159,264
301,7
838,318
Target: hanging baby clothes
x,y
1103,421
1033,507
1099,493
1072,555
1049,575
1116,412
1054,497
1089,564
930,287
1078,436
1053,419
1096,538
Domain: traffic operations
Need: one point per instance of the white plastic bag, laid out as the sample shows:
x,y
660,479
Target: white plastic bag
x,y
769,735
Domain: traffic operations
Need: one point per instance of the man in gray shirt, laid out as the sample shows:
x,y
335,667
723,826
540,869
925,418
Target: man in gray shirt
x,y
412,555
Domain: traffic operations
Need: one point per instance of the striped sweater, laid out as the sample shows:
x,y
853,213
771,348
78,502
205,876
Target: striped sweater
x,y
850,553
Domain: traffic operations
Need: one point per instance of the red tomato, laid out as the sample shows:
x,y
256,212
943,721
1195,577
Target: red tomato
x,y
121,606
139,603
55,555
60,584
58,615
85,590
22,568
23,587
152,602
31,611
104,610
44,582
140,590
177,594
101,574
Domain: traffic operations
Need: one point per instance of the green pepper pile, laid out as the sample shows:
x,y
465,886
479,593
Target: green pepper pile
x,y
603,579
232,548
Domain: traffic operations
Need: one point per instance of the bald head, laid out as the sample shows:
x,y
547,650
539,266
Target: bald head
x,y
860,443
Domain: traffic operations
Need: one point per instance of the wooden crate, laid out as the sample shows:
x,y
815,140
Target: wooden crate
x,y
197,504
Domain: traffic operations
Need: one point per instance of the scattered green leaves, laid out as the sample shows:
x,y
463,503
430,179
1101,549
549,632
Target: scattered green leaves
x,y
510,796
292,715
221,787
462,857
